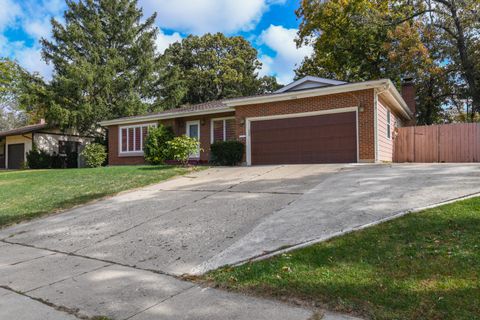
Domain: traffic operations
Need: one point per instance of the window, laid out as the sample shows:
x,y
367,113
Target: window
x,y
389,125
68,147
132,137
223,129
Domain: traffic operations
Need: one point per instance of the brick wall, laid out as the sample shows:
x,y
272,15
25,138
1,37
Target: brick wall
x,y
364,98
179,127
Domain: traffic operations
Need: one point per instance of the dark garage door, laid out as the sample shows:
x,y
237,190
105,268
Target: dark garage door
x,y
16,156
328,138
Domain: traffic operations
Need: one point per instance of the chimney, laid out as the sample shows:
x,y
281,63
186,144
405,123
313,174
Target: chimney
x,y
408,94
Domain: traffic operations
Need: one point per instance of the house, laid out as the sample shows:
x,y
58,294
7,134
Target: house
x,y
312,120
16,143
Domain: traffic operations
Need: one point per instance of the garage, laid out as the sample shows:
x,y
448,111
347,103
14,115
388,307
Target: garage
x,y
293,139
16,155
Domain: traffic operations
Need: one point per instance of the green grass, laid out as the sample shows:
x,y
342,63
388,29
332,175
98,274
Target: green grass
x,y
31,193
422,266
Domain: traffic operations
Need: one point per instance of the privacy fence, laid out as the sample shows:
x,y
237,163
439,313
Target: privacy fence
x,y
438,143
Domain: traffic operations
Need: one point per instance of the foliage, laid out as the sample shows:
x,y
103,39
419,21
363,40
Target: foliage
x,y
94,155
11,114
105,64
210,67
39,159
421,266
181,148
434,42
227,153
29,194
155,146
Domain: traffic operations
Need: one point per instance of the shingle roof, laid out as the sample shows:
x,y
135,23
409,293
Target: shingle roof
x,y
22,130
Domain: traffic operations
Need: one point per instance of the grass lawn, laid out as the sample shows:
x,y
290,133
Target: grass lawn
x,y
28,194
421,266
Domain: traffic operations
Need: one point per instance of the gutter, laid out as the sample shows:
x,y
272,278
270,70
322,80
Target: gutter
x,y
163,116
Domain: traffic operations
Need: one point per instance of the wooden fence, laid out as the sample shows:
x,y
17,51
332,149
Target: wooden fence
x,y
438,143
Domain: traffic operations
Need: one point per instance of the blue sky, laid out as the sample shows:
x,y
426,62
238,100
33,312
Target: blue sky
x,y
270,25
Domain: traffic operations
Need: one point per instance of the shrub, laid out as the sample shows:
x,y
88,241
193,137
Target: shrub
x,y
226,153
155,146
181,148
57,162
38,159
94,155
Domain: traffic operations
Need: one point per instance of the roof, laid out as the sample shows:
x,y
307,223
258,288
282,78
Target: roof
x,y
309,82
23,130
211,107
386,89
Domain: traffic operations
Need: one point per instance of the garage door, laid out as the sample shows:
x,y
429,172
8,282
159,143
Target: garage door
x,y
330,138
16,156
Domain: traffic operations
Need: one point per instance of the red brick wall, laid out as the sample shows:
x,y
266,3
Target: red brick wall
x,y
179,127
364,98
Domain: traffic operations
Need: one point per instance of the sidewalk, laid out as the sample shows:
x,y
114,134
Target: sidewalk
x,y
43,284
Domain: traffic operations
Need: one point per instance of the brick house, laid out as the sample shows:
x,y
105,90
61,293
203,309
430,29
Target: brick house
x,y
312,120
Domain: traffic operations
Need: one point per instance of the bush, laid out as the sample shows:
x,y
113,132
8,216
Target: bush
x,y
155,146
226,153
94,155
182,147
38,159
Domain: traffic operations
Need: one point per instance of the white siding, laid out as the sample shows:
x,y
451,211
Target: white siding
x,y
26,139
385,144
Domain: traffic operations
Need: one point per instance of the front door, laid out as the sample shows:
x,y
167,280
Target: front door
x,y
193,131
16,155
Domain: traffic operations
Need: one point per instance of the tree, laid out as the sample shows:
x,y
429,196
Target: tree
x,y
435,42
104,61
210,67
11,114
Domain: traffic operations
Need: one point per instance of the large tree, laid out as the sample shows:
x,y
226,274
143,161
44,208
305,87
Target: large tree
x,y
105,64
210,67
11,77
433,41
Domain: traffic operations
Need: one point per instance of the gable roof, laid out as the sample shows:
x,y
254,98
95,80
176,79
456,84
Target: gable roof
x,y
23,130
309,82
322,86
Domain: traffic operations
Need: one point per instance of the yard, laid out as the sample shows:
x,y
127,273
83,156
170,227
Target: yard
x,y
28,194
422,266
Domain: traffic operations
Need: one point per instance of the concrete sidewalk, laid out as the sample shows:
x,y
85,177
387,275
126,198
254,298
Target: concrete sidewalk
x,y
43,284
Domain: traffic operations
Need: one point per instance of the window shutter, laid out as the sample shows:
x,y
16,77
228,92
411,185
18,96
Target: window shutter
x,y
229,129
138,139
217,130
124,140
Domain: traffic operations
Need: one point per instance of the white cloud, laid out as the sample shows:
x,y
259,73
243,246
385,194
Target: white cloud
x,y
31,59
40,28
287,55
201,16
163,40
9,12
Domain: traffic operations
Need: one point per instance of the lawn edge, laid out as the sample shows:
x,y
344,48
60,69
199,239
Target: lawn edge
x,y
397,215
63,210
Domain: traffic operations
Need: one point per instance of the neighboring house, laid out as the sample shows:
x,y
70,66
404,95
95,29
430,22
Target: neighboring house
x,y
16,143
311,120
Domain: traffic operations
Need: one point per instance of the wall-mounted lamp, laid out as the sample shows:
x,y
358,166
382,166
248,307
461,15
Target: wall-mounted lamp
x,y
361,109
242,121
202,122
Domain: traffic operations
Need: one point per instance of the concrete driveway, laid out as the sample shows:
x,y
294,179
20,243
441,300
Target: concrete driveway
x,y
119,256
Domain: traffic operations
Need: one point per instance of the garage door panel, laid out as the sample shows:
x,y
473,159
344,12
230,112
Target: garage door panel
x,y
316,139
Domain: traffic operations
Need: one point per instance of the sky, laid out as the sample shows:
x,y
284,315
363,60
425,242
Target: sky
x,y
270,25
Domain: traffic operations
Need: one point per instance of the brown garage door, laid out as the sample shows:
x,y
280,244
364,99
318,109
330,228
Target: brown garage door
x,y
328,138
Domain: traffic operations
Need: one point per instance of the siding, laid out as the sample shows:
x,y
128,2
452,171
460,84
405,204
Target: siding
x,y
385,144
26,139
